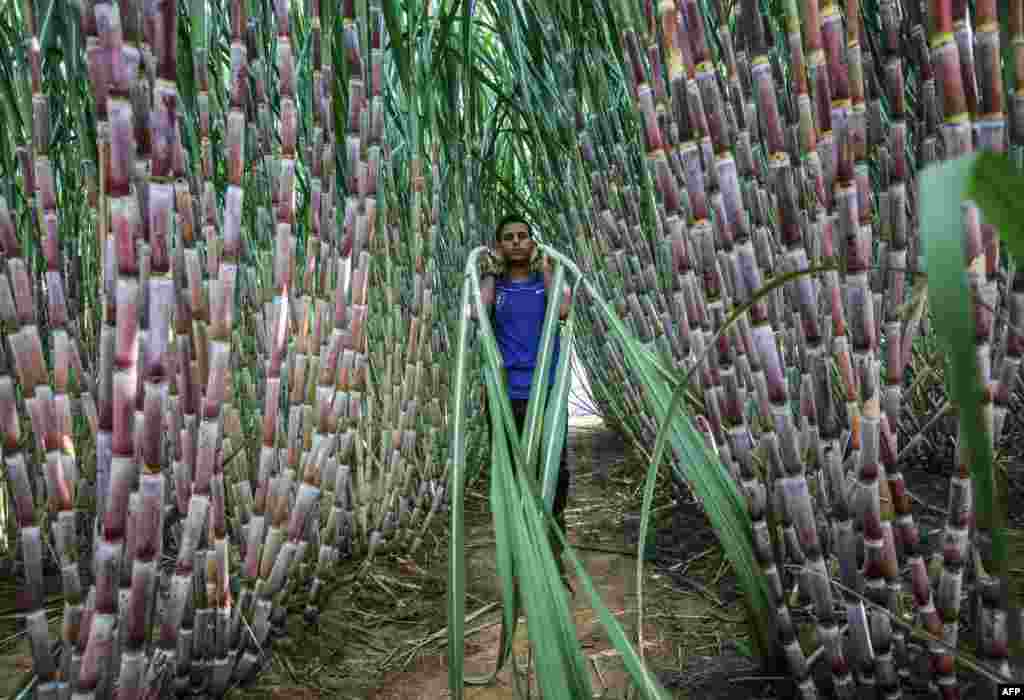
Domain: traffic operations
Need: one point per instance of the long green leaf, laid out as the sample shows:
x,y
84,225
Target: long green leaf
x,y
456,549
398,44
555,423
757,606
989,179
707,477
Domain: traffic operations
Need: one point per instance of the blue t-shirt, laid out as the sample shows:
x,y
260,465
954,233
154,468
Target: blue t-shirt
x,y
519,309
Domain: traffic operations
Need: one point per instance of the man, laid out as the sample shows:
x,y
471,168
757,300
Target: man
x,y
516,297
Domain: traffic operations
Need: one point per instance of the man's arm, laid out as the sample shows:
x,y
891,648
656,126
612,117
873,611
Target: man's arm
x,y
565,303
487,299
486,293
487,277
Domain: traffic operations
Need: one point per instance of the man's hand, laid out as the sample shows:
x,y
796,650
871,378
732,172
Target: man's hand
x,y
486,296
492,263
537,260
490,266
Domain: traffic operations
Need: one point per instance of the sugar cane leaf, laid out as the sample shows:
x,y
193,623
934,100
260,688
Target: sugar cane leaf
x,y
502,487
996,185
944,187
397,41
706,476
539,390
710,481
46,32
722,489
468,78
456,541
554,430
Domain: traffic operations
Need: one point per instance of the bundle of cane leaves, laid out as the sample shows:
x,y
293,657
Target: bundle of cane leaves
x,y
522,501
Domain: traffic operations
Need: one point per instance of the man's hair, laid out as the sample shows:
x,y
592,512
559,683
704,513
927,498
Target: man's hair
x,y
511,218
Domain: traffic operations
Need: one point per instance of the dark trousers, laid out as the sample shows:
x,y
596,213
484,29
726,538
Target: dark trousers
x,y
562,488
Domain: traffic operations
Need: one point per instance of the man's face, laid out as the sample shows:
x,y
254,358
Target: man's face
x,y
514,242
